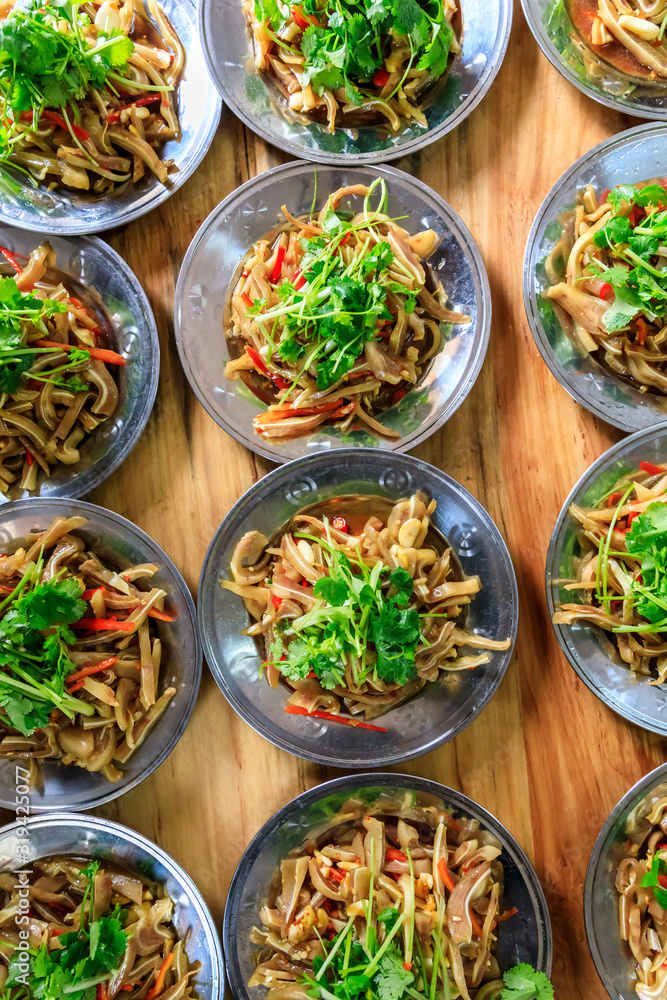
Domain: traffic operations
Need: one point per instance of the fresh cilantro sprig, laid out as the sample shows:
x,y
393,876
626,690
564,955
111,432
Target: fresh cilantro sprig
x,y
346,41
656,879
647,538
22,311
84,958
324,319
639,285
34,650
359,608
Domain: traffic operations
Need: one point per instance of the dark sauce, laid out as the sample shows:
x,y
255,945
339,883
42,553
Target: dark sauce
x,y
582,14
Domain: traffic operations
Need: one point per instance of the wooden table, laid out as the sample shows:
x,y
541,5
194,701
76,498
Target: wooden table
x,y
545,757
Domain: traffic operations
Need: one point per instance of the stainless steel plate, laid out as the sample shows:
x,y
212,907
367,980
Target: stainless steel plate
x,y
566,50
91,836
248,214
589,654
96,265
524,938
635,155
441,710
486,29
199,107
123,544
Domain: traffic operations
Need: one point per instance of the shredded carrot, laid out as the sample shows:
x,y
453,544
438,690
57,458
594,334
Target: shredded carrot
x,y
297,710
475,925
443,872
159,982
506,915
94,668
96,353
160,615
641,330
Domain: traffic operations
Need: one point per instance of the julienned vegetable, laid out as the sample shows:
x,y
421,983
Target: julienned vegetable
x,y
335,316
79,658
609,280
622,573
354,63
357,618
87,93
106,934
629,34
57,385
641,881
363,911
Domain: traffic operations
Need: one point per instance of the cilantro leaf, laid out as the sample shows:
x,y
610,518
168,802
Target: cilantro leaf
x,y
332,591
626,305
649,529
395,633
436,53
617,230
393,980
523,982
56,602
651,879
652,194
622,198
404,584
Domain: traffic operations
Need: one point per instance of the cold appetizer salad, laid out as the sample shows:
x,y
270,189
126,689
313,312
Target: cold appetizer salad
x,y
87,92
393,901
57,384
80,655
354,64
335,316
621,576
608,273
356,606
641,881
96,931
629,34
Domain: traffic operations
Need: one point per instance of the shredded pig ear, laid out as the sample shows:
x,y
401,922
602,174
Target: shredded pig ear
x,y
383,892
119,924
335,316
128,62
357,607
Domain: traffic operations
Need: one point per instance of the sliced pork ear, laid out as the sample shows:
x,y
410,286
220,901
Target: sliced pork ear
x,y
584,309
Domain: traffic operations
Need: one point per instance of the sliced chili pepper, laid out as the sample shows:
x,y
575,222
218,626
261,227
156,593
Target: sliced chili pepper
x,y
28,457
109,357
139,103
605,194
12,260
276,601
281,412
606,290
393,854
278,266
102,992
506,915
330,717
56,119
613,499
299,279
94,668
340,524
475,924
407,966
380,78
104,625
654,470
248,301
337,875
399,394
256,359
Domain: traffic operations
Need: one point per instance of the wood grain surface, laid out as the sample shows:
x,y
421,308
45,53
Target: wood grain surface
x,y
546,757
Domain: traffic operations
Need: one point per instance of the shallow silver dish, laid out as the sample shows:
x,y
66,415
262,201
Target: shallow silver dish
x,y
635,155
248,214
199,106
590,73
440,710
588,650
627,821
92,836
122,543
524,938
486,29
93,263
